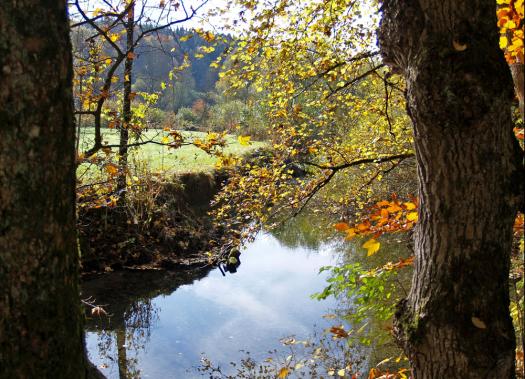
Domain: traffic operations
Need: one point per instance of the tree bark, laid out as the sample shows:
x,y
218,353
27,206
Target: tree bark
x,y
126,106
40,316
455,322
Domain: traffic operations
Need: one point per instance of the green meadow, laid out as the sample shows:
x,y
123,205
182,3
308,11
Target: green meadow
x,y
163,159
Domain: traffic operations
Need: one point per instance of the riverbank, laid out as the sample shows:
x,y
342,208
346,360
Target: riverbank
x,y
165,226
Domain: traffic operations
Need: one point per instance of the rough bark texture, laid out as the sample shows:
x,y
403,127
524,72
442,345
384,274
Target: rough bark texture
x,y
455,322
519,85
40,315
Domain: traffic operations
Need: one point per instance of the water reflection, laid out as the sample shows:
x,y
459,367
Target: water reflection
x,y
160,324
306,230
128,299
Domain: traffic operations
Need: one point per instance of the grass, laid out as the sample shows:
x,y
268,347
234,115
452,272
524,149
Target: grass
x,y
165,160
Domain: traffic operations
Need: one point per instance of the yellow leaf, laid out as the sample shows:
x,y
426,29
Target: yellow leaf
x,y
503,42
244,140
283,373
410,206
478,323
372,246
412,216
350,233
163,85
341,372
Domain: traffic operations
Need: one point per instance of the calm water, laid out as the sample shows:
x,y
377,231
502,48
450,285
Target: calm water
x,y
162,323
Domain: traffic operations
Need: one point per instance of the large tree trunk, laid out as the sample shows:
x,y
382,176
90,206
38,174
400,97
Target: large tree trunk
x,y
40,316
455,322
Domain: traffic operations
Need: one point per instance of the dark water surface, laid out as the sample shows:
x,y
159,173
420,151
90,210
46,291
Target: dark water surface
x,y
162,322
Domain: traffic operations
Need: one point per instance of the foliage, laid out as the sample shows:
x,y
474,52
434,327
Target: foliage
x,y
323,94
510,21
370,292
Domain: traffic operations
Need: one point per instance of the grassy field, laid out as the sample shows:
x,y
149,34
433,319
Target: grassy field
x,y
159,158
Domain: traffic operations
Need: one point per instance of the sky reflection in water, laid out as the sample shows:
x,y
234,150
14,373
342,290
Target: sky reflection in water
x,y
267,299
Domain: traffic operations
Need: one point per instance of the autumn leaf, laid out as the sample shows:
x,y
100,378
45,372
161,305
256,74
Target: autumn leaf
x,y
412,216
458,46
409,205
383,203
363,227
244,140
341,226
338,332
503,42
98,311
372,246
350,233
111,169
283,373
478,323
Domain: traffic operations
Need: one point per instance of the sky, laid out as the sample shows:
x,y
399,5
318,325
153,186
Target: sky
x,y
206,16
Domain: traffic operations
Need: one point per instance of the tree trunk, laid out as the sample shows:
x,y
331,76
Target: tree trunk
x,y
40,316
126,106
455,322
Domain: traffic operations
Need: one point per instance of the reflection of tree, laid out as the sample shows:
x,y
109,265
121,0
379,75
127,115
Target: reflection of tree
x,y
122,357
366,299
129,334
132,312
306,230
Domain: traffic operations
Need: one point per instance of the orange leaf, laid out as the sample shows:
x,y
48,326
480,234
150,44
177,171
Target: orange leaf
x,y
111,169
341,226
363,227
283,373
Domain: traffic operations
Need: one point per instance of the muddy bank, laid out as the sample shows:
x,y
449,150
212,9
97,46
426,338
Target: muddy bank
x,y
167,226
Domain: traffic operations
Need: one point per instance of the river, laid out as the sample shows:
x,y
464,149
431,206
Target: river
x,y
162,323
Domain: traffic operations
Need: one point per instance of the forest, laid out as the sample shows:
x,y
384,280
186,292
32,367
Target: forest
x,y
262,189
